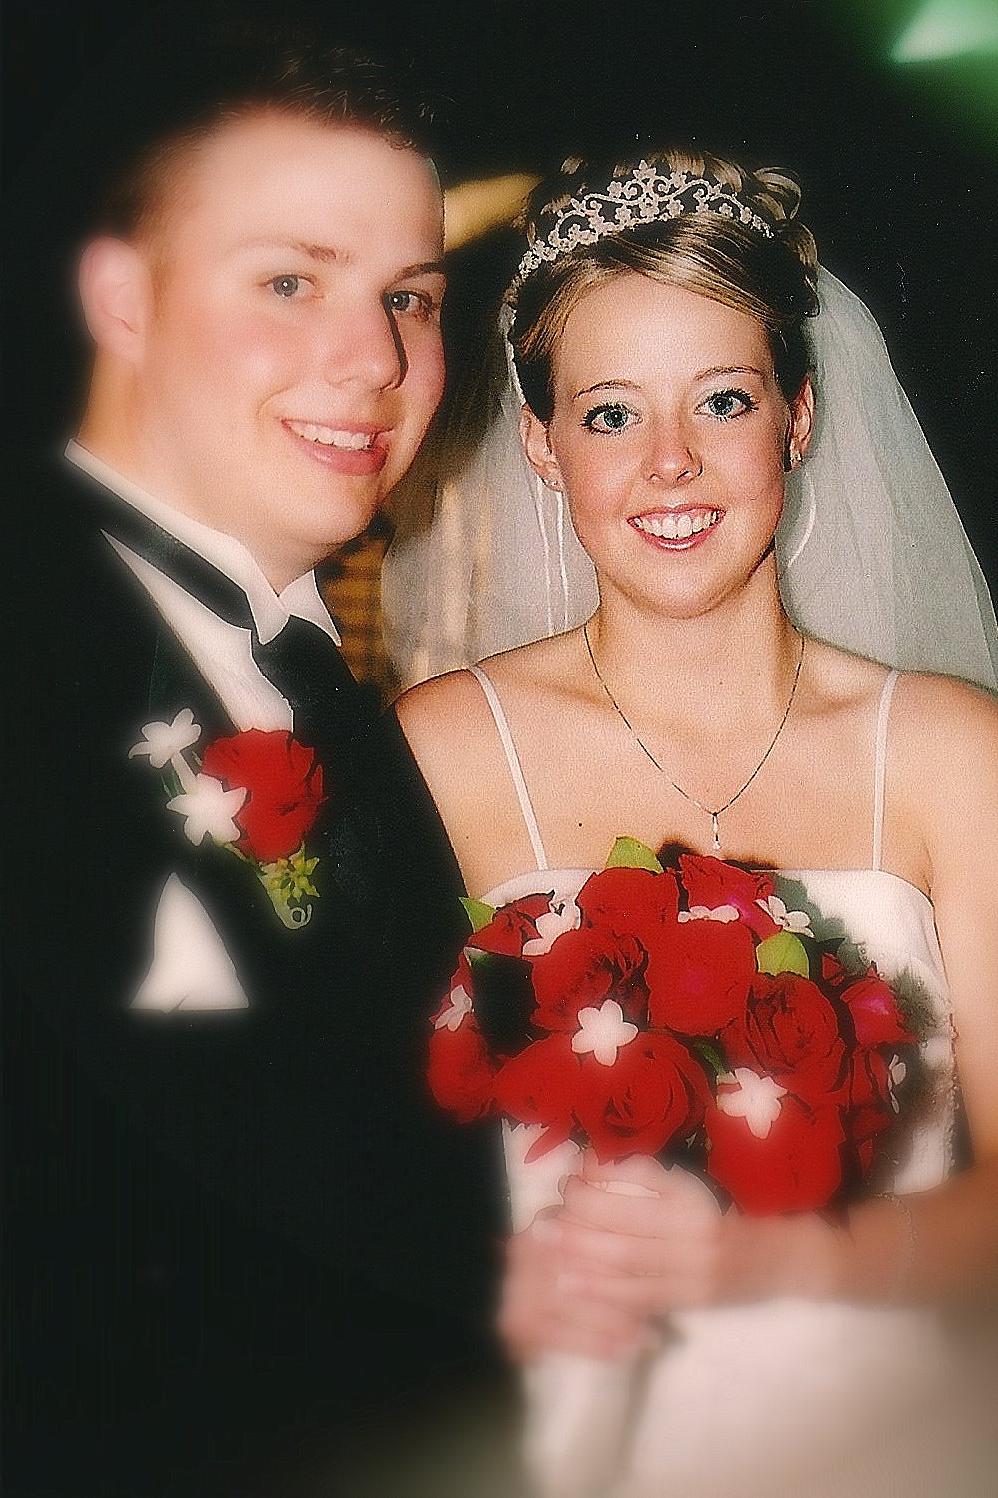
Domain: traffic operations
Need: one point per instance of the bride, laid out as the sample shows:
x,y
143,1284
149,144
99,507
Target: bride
x,y
671,389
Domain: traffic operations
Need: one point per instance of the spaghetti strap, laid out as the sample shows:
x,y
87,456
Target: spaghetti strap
x,y
515,768
879,775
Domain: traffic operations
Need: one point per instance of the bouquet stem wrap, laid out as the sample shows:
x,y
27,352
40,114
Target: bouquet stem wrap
x,y
580,1410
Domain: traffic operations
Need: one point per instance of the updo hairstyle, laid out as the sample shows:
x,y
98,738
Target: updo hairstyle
x,y
772,279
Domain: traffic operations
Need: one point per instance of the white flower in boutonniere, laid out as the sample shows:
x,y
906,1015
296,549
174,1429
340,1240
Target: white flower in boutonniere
x,y
208,810
796,921
256,793
754,1098
164,744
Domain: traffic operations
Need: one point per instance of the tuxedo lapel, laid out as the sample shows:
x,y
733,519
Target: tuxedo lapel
x,y
176,683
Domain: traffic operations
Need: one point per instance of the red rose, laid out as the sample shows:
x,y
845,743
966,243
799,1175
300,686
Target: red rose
x,y
789,1031
797,1167
461,1071
629,902
283,780
699,975
871,1103
711,883
511,927
539,1086
582,969
872,1004
653,1092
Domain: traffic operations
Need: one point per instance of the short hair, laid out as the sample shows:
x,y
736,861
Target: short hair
x,y
771,278
326,85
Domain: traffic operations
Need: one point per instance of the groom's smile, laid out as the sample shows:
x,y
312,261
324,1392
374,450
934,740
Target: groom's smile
x,y
284,354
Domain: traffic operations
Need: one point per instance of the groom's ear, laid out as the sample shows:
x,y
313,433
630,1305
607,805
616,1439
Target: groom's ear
x,y
115,294
537,446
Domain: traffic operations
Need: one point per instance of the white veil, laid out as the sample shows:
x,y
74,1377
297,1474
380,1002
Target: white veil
x,y
872,553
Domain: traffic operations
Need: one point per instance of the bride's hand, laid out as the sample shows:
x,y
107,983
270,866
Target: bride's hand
x,y
672,1248
539,1314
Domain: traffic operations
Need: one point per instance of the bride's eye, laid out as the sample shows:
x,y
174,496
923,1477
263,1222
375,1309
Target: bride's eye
x,y
725,404
610,418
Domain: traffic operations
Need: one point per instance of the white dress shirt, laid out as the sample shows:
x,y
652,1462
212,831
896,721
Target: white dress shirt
x,y
190,968
221,651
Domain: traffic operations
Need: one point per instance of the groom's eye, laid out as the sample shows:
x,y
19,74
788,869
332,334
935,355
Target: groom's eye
x,y
609,418
286,286
417,304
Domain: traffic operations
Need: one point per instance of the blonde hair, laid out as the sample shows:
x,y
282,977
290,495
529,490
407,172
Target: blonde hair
x,y
771,278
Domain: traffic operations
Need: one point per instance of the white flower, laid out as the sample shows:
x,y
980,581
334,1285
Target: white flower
x,y
757,1099
161,741
552,924
722,913
797,921
603,1031
460,1005
209,809
896,1073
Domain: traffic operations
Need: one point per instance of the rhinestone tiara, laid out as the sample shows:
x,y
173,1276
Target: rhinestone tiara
x,y
645,196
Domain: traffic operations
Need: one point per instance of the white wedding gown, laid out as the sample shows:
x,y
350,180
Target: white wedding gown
x,y
799,1398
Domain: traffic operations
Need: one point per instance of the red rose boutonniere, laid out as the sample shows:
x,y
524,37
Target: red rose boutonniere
x,y
256,793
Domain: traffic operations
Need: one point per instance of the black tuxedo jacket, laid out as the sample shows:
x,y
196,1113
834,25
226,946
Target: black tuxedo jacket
x,y
215,1219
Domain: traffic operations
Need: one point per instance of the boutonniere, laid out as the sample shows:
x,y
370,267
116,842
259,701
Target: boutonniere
x,y
256,793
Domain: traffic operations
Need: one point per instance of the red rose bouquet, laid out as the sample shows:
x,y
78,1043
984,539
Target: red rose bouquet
x,y
256,793
685,1011
677,1009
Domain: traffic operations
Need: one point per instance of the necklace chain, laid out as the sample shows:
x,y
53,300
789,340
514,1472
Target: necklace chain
x,y
714,812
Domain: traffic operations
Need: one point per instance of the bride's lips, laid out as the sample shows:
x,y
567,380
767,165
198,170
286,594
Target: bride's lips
x,y
678,529
344,446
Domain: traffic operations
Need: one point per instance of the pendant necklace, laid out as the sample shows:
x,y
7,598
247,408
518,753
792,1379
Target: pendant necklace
x,y
714,812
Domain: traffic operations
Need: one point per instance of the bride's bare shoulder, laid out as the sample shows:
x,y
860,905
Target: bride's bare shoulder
x,y
942,736
528,670
945,730
922,703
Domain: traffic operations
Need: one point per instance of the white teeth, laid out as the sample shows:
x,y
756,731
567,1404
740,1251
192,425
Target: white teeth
x,y
331,437
670,527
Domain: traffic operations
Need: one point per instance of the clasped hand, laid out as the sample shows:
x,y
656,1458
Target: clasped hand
x,y
592,1276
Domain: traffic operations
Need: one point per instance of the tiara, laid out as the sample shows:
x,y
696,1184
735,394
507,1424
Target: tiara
x,y
645,196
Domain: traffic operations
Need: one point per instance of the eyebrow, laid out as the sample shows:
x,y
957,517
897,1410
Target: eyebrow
x,y
703,374
326,253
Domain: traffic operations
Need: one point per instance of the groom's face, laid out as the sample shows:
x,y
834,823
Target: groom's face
x,y
292,358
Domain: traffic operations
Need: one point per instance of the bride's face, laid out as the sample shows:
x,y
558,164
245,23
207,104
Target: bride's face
x,y
668,435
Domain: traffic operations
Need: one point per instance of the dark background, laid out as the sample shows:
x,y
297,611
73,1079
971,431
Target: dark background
x,y
899,164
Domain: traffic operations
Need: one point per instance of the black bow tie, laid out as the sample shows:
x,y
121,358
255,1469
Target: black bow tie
x,y
301,661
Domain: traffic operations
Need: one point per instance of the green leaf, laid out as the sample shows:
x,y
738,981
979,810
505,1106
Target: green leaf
x,y
782,953
478,913
628,853
711,1055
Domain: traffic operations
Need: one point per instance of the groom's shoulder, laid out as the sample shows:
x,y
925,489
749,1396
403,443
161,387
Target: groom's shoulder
x,y
77,627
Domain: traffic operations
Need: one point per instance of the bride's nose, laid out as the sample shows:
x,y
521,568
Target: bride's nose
x,y
673,456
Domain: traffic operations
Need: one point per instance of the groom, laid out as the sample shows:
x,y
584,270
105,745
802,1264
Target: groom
x,y
235,1219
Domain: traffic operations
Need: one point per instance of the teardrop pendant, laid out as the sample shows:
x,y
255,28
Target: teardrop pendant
x,y
716,831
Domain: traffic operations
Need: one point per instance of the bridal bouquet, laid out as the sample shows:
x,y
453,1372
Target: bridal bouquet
x,y
675,1009
683,1012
